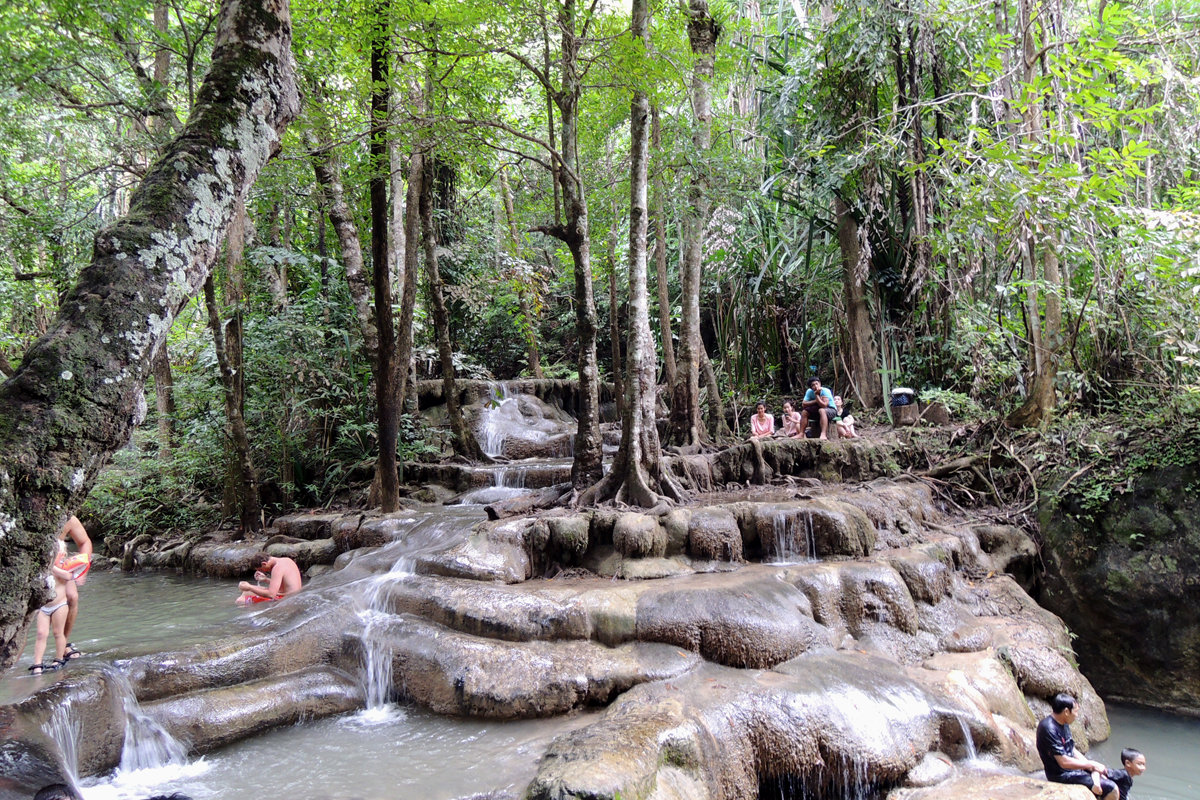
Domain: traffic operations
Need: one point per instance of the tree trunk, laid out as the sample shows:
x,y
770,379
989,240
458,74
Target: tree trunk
x,y
531,322
614,324
587,466
718,428
638,476
412,264
660,259
687,426
386,401
864,380
242,473
1045,331
465,443
164,403
329,177
241,488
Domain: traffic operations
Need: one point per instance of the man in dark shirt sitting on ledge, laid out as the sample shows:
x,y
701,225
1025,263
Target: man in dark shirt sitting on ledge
x,y
1063,763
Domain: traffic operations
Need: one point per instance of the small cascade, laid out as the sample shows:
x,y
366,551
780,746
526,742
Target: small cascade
x,y
376,664
510,477
493,427
840,779
147,744
793,541
63,729
972,754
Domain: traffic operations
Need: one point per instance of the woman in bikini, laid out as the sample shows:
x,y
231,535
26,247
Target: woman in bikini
x,y
52,616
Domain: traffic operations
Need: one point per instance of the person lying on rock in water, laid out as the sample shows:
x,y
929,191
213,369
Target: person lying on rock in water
x,y
791,420
1063,762
1134,764
284,579
52,617
761,424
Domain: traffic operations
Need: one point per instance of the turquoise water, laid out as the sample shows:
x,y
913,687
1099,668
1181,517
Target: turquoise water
x,y
131,614
1170,743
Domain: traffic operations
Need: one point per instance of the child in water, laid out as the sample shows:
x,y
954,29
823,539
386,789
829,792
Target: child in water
x,y
53,616
1134,764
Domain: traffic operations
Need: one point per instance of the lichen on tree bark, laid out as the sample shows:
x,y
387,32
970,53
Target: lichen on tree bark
x,y
77,395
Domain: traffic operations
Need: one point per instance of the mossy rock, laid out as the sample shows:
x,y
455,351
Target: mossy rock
x,y
639,536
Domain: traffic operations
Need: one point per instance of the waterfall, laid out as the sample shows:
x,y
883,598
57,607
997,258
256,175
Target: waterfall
x,y
793,541
147,745
492,427
376,663
427,533
843,778
63,730
968,741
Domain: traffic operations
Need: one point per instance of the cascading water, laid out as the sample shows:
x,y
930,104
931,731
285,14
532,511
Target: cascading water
x,y
793,540
968,740
493,427
63,729
427,532
147,744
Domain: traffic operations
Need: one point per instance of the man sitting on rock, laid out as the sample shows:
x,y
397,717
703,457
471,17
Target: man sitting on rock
x,y
281,576
818,402
1064,763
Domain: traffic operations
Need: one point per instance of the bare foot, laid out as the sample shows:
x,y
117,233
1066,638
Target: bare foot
x,y
823,438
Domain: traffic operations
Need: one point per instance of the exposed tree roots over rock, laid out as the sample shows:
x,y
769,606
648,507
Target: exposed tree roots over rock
x,y
812,639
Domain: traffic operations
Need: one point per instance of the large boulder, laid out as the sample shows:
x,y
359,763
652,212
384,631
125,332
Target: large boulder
x,y
1124,573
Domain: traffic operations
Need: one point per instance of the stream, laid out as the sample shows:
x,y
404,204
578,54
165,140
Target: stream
x,y
411,753
389,750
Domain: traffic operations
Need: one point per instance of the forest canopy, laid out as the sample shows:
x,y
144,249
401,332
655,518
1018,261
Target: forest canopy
x,y
997,203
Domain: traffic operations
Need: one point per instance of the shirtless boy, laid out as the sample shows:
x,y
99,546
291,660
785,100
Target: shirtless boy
x,y
284,579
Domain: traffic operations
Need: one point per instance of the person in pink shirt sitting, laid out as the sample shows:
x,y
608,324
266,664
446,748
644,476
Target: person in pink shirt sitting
x,y
761,424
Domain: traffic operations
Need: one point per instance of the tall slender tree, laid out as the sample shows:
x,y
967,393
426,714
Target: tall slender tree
x,y
639,475
687,426
386,400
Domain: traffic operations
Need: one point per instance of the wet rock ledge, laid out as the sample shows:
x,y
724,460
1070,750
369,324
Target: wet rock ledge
x,y
828,636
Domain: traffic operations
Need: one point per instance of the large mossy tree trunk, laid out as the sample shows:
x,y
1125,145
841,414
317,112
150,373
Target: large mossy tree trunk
x,y
78,394
638,475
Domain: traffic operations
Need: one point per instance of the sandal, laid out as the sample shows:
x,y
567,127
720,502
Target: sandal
x,y
71,652
46,666
35,669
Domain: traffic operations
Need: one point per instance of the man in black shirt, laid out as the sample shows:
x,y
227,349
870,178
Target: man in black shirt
x,y
1063,763
1135,764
